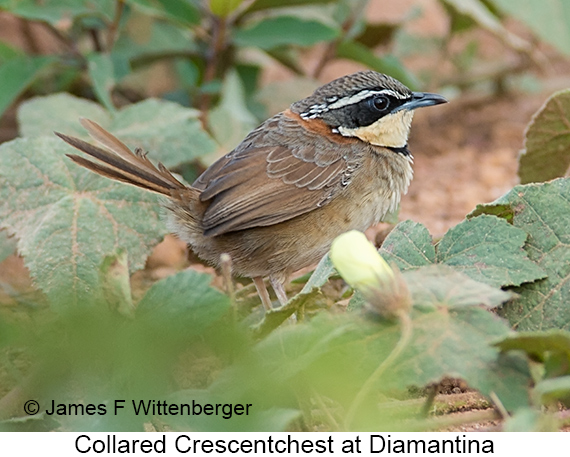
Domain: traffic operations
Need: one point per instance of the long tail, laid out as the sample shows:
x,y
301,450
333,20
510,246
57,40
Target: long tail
x,y
118,162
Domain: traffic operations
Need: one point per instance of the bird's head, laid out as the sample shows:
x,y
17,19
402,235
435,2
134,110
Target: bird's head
x,y
368,105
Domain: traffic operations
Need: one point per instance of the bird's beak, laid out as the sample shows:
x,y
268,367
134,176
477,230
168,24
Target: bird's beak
x,y
420,99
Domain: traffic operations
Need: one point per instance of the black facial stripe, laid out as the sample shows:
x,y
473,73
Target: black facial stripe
x,y
362,114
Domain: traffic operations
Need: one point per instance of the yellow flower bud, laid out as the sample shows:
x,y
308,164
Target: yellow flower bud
x,y
361,266
358,261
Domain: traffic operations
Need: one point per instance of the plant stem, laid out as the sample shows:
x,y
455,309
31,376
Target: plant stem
x,y
114,26
217,45
406,326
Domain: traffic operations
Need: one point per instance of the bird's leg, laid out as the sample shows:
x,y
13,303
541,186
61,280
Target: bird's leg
x,y
279,291
262,291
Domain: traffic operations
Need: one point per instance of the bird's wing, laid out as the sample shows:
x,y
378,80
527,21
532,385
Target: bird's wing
x,y
281,170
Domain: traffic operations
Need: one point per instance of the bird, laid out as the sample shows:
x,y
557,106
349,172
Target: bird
x,y
334,161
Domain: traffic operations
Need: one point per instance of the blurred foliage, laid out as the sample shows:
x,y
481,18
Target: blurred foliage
x,y
546,155
91,341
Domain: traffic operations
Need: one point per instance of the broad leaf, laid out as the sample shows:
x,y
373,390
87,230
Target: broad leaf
x,y
257,419
335,355
267,4
357,52
142,45
538,344
531,420
440,284
408,245
67,219
185,302
549,19
183,11
171,133
547,141
541,210
278,31
102,74
487,249
17,73
37,116
550,391
224,8
53,11
549,347
275,317
490,250
231,120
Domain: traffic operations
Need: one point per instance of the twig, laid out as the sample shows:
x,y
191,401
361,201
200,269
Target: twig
x,y
330,50
114,26
67,42
325,409
217,45
429,400
96,40
499,406
29,36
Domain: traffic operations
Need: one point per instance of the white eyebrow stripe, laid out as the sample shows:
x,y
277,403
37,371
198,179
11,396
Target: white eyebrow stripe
x,y
363,95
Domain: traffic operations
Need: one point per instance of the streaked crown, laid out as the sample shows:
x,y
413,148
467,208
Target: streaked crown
x,y
354,101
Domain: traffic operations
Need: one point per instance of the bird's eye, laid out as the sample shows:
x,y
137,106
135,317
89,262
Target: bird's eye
x,y
381,102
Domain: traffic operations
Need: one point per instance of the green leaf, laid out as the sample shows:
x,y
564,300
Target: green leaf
x,y
477,11
140,45
17,74
272,32
185,302
36,118
53,11
275,317
224,8
549,19
183,11
171,133
267,4
547,141
231,120
489,250
279,95
531,420
320,276
541,210
438,284
375,35
550,391
258,419
8,52
101,71
336,355
357,52
67,219
408,245
550,347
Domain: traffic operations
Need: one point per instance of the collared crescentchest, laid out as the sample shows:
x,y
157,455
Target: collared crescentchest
x,y
334,161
